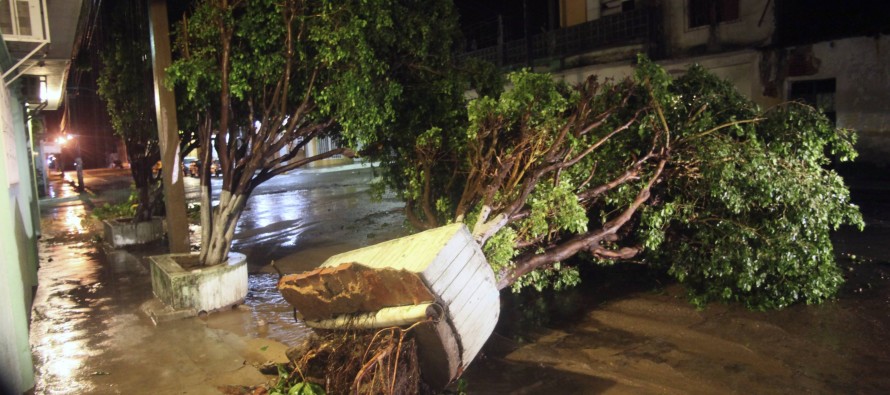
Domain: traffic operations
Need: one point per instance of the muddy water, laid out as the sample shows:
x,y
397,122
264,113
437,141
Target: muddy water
x,y
628,330
264,314
630,334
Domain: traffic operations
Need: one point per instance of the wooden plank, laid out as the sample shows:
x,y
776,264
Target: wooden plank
x,y
413,253
460,239
449,265
485,324
464,303
464,285
479,329
457,269
471,308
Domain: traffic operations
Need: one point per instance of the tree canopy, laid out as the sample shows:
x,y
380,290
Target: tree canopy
x,y
125,84
734,201
263,78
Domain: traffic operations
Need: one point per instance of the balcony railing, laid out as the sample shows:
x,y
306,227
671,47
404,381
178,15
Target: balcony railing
x,y
627,27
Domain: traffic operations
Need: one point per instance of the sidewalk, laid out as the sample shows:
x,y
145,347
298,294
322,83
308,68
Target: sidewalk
x,y
88,335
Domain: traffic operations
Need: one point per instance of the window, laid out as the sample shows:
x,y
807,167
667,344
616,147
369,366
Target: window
x,y
707,12
817,93
326,144
21,20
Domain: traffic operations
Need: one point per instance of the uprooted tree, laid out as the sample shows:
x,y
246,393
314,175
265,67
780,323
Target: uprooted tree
x,y
265,77
734,201
685,173
125,84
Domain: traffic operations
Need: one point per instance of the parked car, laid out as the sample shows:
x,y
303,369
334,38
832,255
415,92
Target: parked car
x,y
215,169
190,166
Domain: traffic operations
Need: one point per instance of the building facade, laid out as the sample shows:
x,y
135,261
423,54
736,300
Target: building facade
x,y
19,226
35,52
840,63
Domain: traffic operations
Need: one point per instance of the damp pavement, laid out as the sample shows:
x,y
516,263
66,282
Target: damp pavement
x,y
88,334
626,330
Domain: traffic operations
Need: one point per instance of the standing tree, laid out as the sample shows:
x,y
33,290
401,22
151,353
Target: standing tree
x,y
736,202
264,77
125,84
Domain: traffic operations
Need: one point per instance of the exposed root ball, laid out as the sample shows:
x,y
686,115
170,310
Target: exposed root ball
x,y
360,362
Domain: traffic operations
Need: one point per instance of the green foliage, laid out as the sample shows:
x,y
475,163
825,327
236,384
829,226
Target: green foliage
x,y
426,137
741,211
125,84
113,211
500,250
746,209
337,61
125,209
288,385
556,276
554,207
125,79
265,77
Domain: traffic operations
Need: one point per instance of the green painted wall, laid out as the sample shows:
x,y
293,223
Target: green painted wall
x,y
18,246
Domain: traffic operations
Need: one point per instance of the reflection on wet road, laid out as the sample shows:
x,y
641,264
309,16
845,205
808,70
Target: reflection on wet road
x,y
88,335
626,330
76,302
267,314
300,219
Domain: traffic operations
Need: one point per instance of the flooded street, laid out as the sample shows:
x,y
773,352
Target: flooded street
x,y
89,336
625,330
628,330
300,219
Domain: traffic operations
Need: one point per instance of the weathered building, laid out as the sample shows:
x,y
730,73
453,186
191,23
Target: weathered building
x,y
34,53
830,54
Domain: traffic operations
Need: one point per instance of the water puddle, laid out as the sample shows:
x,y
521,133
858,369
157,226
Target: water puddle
x,y
265,314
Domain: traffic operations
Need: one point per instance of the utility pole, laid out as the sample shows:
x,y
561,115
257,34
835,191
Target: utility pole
x,y
168,130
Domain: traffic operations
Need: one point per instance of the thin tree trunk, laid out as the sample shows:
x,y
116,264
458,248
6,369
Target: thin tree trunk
x,y
215,250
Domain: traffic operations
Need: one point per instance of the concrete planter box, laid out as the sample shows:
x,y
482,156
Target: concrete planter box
x,y
179,282
122,232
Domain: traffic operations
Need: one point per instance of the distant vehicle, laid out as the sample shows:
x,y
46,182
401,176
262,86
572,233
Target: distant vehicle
x,y
190,166
215,169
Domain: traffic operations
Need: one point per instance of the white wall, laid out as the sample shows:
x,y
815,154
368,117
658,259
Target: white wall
x,y
746,31
741,68
861,69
